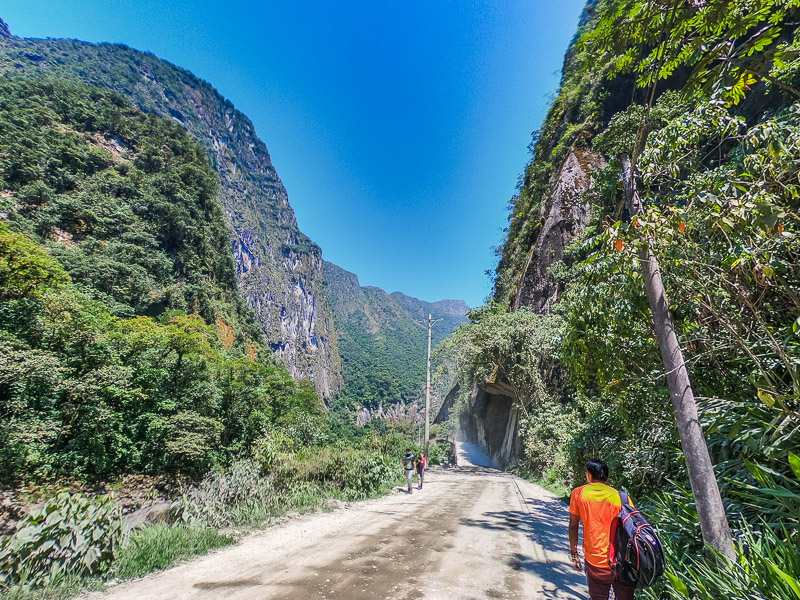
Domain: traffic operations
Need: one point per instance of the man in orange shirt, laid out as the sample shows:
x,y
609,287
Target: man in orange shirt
x,y
595,505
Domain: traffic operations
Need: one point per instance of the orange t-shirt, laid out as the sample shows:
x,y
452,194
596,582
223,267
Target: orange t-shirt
x,y
596,504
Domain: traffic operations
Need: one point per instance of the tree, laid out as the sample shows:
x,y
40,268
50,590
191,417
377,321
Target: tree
x,y
710,510
725,45
26,269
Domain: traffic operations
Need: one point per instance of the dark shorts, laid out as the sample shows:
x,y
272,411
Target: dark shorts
x,y
601,580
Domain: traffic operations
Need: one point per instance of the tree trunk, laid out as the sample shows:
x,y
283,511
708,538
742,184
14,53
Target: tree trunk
x,y
713,522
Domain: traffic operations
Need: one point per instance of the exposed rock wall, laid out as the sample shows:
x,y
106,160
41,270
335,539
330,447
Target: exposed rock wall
x,y
280,270
564,217
447,405
492,420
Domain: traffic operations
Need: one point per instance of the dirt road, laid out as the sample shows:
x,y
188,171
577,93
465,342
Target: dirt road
x,y
472,532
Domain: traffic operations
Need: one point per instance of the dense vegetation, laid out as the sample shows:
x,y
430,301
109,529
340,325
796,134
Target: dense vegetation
x,y
704,97
125,347
125,343
274,259
383,341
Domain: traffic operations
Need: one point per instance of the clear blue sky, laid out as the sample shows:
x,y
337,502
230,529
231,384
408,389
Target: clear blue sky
x,y
398,128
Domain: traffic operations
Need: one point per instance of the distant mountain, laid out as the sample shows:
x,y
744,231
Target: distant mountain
x,y
279,269
382,340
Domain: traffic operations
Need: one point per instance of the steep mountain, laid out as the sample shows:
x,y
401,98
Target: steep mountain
x,y
382,340
279,269
125,344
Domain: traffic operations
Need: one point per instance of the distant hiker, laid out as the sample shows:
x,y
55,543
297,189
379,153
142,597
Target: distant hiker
x,y
408,467
596,505
422,464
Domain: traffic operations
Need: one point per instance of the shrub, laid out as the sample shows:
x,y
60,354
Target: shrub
x,y
545,432
233,496
356,473
306,429
71,534
767,565
270,451
439,452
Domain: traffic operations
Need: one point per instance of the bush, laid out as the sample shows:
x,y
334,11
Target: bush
x,y
71,534
545,432
306,429
439,452
236,495
767,565
353,473
366,473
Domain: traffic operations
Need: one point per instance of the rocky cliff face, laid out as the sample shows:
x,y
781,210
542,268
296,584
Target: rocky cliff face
x,y
564,217
280,270
548,215
492,419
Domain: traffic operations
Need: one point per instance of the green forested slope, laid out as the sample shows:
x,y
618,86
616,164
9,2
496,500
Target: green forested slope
x,y
124,342
127,349
381,339
279,269
705,97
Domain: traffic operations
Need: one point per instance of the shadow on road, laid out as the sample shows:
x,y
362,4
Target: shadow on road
x,y
545,523
230,583
546,527
561,579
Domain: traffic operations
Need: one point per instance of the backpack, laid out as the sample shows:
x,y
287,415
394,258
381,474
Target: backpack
x,y
636,555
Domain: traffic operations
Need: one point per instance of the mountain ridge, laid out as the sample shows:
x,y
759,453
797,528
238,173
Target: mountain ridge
x,y
279,268
382,338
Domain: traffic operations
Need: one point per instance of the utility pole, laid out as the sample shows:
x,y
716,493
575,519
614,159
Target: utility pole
x,y
431,321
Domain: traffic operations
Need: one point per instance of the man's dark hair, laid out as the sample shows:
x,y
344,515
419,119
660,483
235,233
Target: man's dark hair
x,y
597,469
408,450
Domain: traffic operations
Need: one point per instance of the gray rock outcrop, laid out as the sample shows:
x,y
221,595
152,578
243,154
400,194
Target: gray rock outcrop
x,y
565,215
492,418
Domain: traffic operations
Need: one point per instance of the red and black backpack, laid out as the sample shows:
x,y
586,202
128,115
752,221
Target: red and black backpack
x,y
636,555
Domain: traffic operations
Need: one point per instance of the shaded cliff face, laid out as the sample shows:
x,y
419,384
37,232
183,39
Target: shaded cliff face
x,y
382,340
280,270
564,218
492,418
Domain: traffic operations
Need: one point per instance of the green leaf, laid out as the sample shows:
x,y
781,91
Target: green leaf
x,y
791,581
679,586
794,462
766,397
54,516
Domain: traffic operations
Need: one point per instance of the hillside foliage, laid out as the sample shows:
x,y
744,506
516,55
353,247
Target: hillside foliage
x,y
125,344
126,347
383,341
704,97
274,259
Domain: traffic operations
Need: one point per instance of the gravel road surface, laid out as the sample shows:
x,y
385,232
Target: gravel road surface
x,y
472,532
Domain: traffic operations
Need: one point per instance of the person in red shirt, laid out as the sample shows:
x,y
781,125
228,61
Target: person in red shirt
x,y
422,464
595,505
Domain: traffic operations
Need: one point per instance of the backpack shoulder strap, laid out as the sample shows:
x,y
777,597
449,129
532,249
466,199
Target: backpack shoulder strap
x,y
624,498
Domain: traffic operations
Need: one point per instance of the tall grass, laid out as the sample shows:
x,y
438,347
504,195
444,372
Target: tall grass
x,y
245,495
767,565
160,546
60,588
759,475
